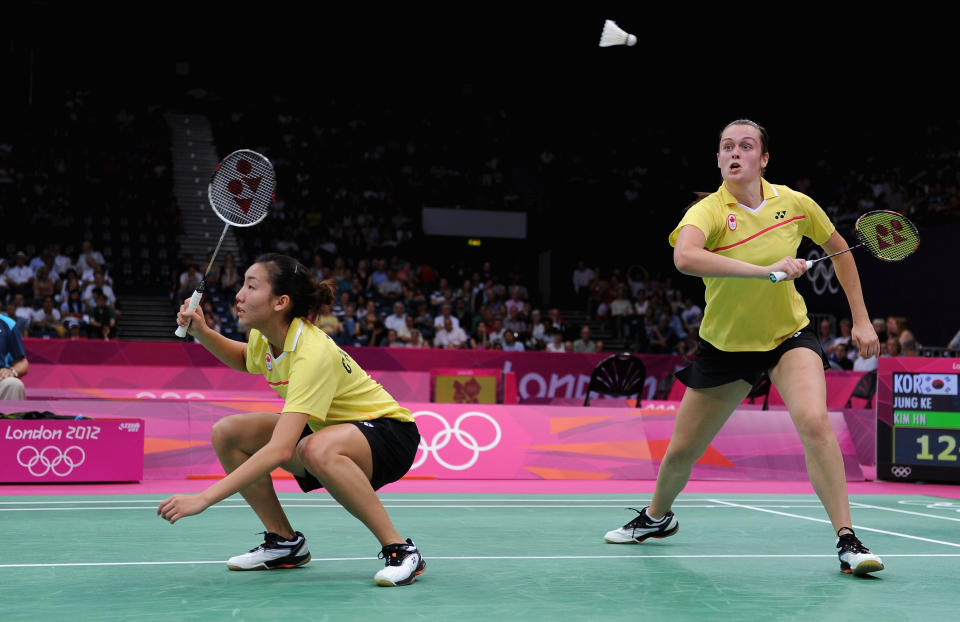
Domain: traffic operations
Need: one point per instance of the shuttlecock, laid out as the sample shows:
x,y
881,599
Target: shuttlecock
x,y
614,35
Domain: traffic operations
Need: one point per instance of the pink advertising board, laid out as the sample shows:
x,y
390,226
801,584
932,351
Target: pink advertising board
x,y
57,450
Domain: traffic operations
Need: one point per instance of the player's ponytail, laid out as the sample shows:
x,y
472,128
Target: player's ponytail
x,y
289,277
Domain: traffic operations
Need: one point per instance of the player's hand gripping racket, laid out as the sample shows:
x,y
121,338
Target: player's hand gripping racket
x,y
241,191
888,236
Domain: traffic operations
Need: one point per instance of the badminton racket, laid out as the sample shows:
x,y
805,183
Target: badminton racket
x,y
241,191
887,235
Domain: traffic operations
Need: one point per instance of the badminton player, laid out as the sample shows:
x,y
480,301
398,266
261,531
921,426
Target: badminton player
x,y
734,238
339,429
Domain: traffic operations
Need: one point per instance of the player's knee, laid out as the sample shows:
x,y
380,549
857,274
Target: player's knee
x,y
316,454
814,427
227,431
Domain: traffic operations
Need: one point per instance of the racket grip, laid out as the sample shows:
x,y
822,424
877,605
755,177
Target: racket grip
x,y
776,277
194,301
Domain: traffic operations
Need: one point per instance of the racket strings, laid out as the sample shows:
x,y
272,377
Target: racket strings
x,y
241,190
887,235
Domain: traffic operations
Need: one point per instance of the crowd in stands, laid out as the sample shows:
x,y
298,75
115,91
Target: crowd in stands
x,y
60,293
354,174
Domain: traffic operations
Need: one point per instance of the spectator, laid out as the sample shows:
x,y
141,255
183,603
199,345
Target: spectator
x,y
537,339
99,282
211,317
514,323
842,339
89,259
13,361
480,340
390,288
397,319
621,309
43,285
188,282
230,278
908,348
61,263
954,344
586,343
511,343
515,301
898,326
21,314
374,330
20,276
328,323
496,332
417,340
73,310
556,343
891,347
826,334
446,313
103,320
405,331
348,332
392,340
46,320
424,322
582,278
449,336
69,282
839,359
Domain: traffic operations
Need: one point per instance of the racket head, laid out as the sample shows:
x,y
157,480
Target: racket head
x,y
888,236
242,187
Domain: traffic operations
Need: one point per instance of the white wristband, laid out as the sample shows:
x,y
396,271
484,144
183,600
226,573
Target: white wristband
x,y
14,372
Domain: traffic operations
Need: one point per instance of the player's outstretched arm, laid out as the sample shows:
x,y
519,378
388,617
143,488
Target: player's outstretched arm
x,y
232,353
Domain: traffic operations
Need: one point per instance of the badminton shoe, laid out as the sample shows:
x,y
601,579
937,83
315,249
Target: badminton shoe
x,y
643,527
404,563
856,558
275,553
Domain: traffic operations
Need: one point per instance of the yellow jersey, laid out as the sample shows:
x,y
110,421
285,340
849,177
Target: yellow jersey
x,y
315,377
743,315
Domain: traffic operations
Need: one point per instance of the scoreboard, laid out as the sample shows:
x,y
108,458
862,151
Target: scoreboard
x,y
918,419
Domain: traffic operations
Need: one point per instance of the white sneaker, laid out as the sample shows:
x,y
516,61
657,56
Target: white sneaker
x,y
273,554
643,527
403,564
856,558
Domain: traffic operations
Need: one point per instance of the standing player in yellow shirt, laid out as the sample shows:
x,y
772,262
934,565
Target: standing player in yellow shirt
x,y
734,238
339,429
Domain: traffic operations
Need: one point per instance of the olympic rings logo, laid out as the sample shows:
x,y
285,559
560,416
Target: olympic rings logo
x,y
901,471
51,458
821,275
442,438
168,395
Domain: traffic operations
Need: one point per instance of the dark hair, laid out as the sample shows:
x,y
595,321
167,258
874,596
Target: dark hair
x,y
764,138
289,277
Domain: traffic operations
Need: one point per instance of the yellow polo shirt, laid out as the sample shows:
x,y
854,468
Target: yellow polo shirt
x,y
741,314
315,377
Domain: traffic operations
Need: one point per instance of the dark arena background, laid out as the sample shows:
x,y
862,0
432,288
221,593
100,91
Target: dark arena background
x,y
478,154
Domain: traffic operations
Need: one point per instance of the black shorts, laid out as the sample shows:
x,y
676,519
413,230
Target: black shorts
x,y
393,445
713,367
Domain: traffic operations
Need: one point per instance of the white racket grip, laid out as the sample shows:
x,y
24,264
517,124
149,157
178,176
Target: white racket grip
x,y
194,301
776,277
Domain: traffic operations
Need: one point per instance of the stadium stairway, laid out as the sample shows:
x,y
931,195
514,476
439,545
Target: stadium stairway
x,y
577,318
147,318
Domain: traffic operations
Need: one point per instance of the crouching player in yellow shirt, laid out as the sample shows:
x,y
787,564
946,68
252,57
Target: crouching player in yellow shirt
x,y
734,238
339,429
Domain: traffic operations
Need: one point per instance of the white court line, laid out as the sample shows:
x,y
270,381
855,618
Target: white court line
x,y
880,507
475,558
385,497
334,505
821,520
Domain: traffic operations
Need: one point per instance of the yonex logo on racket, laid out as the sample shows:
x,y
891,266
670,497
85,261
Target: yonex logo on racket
x,y
50,459
236,186
465,439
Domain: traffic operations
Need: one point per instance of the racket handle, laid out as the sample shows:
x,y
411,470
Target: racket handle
x,y
776,277
194,301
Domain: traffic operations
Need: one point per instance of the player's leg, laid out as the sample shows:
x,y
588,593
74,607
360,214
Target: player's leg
x,y
800,380
235,439
701,414
342,458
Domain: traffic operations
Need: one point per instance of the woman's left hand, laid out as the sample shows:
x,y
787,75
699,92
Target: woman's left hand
x,y
179,506
864,337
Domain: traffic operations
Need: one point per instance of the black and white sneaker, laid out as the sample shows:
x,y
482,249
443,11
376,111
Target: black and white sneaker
x,y
643,527
854,557
404,563
275,553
